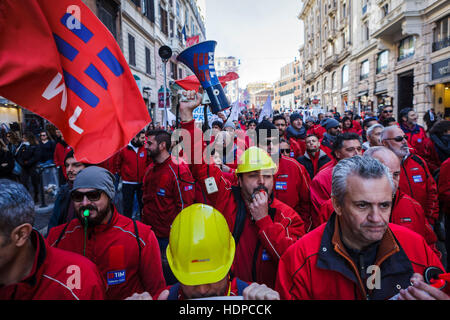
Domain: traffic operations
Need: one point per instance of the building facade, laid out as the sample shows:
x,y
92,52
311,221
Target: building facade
x,y
369,53
224,65
258,93
287,89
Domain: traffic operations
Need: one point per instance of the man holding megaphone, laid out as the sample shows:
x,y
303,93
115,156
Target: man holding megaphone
x,y
262,226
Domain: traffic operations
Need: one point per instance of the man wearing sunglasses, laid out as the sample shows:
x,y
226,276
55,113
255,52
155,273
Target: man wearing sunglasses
x,y
125,251
415,180
386,111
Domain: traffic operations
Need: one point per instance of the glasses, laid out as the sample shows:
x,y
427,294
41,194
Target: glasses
x,y
91,195
399,138
43,135
388,111
285,150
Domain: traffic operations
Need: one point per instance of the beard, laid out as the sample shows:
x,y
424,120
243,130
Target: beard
x,y
153,153
402,152
93,221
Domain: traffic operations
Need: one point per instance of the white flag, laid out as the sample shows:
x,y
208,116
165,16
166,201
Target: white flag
x,y
267,110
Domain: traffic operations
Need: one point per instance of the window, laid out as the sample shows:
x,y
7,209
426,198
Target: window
x,y
149,9
406,48
180,73
137,2
344,76
131,50
364,70
148,63
178,9
441,35
382,61
107,13
333,80
366,32
172,30
163,20
385,10
173,70
324,83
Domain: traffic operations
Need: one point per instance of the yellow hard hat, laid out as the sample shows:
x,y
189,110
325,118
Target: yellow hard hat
x,y
201,247
255,159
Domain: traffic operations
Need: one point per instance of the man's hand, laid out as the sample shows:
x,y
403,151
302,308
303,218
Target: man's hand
x,y
187,107
419,290
259,292
146,296
259,206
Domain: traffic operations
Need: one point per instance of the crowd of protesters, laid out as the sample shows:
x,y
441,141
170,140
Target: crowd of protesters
x,y
295,206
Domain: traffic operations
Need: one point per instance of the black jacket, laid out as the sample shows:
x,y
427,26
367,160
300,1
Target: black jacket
x,y
6,164
306,161
28,156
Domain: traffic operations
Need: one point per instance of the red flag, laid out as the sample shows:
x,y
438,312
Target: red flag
x,y
192,82
58,60
192,40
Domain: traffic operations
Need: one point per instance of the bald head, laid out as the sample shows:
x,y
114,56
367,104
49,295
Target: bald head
x,y
388,158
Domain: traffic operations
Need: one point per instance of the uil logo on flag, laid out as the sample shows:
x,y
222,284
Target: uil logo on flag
x,y
75,75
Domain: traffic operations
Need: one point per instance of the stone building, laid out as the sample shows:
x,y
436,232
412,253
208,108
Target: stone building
x,y
368,53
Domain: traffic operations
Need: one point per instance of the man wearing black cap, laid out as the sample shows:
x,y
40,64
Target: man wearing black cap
x,y
333,129
125,251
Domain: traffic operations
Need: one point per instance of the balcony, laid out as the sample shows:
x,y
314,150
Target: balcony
x,y
330,62
309,77
438,45
345,52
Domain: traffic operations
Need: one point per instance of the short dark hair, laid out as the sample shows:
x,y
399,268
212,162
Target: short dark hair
x,y
386,121
404,113
279,117
339,142
367,120
161,136
217,123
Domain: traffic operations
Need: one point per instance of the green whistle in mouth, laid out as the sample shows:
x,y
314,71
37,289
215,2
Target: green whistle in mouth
x,y
86,213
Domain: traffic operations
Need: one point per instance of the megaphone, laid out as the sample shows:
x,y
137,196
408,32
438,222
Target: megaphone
x,y
200,59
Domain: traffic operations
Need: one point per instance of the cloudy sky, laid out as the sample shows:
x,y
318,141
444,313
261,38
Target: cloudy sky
x,y
264,34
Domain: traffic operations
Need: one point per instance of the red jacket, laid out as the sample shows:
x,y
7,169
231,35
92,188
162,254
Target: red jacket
x,y
168,188
59,155
113,247
444,186
318,267
131,165
320,192
417,182
406,212
56,275
417,138
261,243
110,164
291,186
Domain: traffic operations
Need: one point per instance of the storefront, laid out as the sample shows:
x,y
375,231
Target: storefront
x,y
381,93
440,87
9,113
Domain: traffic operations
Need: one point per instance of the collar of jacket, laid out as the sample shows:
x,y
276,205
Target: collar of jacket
x,y
394,266
321,154
39,244
406,129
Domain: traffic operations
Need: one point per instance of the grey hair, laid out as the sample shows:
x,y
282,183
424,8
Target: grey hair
x,y
362,166
372,128
16,206
373,150
386,130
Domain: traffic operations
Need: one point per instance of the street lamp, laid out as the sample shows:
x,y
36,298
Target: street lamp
x,y
165,53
